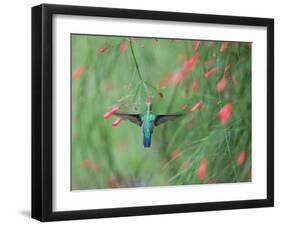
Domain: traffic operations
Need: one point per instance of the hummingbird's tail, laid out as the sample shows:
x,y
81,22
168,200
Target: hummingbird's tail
x,y
147,141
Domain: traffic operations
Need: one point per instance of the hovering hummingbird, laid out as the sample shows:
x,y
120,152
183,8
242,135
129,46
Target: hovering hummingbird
x,y
148,120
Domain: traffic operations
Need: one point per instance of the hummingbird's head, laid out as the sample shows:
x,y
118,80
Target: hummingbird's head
x,y
148,106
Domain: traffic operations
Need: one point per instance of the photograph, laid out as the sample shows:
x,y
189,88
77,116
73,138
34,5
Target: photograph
x,y
141,112
155,111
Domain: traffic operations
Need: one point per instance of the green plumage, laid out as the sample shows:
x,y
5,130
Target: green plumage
x,y
148,120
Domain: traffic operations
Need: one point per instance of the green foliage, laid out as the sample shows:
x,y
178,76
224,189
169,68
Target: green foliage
x,y
118,71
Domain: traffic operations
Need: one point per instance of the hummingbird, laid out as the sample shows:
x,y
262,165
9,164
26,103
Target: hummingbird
x,y
148,121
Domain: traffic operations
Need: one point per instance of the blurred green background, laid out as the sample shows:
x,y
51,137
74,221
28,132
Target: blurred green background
x,y
199,148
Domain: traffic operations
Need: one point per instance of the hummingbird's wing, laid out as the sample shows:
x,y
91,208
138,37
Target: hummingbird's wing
x,y
161,118
134,118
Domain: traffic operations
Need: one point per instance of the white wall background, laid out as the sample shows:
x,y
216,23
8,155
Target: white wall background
x,y
15,93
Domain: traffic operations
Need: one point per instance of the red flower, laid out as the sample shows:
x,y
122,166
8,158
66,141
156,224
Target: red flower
x,y
177,78
123,46
196,45
191,62
241,158
221,85
209,73
195,85
225,113
226,71
175,154
189,65
116,122
111,112
196,106
202,170
224,46
78,72
102,50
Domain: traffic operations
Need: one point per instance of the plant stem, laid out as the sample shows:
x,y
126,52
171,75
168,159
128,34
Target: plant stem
x,y
151,86
135,60
137,67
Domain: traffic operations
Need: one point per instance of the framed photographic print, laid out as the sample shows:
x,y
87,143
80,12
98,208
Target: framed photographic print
x,y
146,112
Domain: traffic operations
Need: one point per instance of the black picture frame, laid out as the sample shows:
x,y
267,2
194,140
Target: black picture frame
x,y
42,107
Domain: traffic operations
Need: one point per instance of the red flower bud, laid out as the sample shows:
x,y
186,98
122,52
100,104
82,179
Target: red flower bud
x,y
241,158
196,106
188,66
221,85
202,170
196,45
102,50
175,154
209,73
78,72
116,122
123,46
225,113
224,46
111,112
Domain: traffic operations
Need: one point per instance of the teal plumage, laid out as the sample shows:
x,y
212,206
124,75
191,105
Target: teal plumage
x,y
148,121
